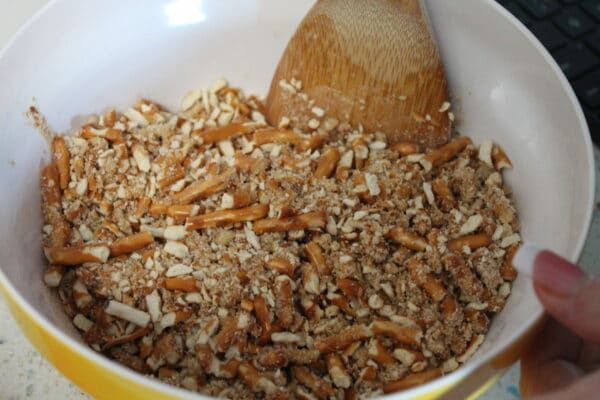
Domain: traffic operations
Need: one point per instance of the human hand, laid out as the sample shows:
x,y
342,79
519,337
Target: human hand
x,y
563,358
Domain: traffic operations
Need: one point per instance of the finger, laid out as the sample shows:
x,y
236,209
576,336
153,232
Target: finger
x,y
547,364
589,356
585,388
565,291
552,376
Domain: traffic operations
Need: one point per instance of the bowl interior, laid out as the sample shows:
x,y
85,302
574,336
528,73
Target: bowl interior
x,y
503,84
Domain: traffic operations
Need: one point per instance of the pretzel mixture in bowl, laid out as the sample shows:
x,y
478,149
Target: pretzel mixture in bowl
x,y
242,260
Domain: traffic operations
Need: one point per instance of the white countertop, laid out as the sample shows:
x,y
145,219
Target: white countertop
x,y
25,374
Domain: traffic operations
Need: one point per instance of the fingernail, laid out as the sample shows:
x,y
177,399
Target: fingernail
x,y
524,258
556,275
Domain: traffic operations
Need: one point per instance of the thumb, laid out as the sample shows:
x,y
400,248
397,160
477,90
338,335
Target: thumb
x,y
566,292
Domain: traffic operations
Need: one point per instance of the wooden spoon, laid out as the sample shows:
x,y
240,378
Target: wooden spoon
x,y
369,62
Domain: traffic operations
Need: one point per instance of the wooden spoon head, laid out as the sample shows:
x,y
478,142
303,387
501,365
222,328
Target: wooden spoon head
x,y
369,62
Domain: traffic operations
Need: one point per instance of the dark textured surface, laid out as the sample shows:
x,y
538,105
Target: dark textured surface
x,y
570,30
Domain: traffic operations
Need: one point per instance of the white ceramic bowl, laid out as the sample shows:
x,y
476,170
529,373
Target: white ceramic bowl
x,y
78,57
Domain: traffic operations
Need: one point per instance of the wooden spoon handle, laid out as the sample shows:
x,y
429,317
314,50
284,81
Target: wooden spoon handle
x,y
369,62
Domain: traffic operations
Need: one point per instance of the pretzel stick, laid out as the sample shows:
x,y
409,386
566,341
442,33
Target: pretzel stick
x,y
379,353
131,243
227,217
61,231
500,159
449,307
344,165
237,199
224,338
341,340
468,282
351,394
311,144
473,242
284,301
250,164
327,163
263,315
315,219
444,153
76,255
350,287
508,271
110,134
337,371
203,189
426,280
403,334
405,148
178,211
62,158
282,265
274,135
408,357
222,133
273,358
310,279
361,152
50,185
170,174
183,284
319,387
127,338
251,377
143,205
53,275
362,189
315,256
412,380
342,303
407,239
443,194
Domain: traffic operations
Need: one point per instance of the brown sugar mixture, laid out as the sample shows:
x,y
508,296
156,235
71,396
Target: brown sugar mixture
x,y
242,260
